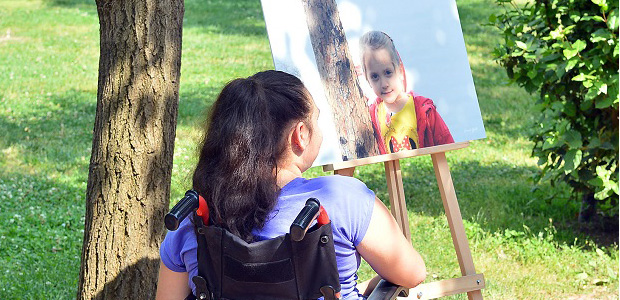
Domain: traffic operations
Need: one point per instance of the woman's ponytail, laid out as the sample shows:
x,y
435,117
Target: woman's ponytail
x,y
245,137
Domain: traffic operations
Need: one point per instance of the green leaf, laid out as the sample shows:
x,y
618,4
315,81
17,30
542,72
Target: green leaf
x,y
557,33
575,48
603,173
573,139
602,34
571,63
570,109
560,71
569,53
492,18
550,143
572,158
596,182
580,77
604,102
603,194
550,57
591,94
594,143
521,45
586,104
602,4
612,20
579,45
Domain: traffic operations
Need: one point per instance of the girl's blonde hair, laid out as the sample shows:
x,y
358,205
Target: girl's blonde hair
x,y
375,40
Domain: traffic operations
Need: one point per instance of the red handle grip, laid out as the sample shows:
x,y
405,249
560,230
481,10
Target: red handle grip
x,y
323,218
203,210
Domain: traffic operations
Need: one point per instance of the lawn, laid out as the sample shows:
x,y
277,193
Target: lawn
x,y
526,241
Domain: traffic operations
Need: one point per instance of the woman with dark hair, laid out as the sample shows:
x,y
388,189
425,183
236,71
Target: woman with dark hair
x,y
262,134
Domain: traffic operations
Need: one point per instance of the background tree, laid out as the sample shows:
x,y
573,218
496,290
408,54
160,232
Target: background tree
x,y
342,89
133,143
567,52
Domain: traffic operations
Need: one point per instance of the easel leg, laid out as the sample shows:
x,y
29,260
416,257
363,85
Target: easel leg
x,y
398,206
455,221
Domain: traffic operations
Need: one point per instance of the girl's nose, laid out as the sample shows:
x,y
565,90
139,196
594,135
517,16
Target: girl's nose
x,y
384,83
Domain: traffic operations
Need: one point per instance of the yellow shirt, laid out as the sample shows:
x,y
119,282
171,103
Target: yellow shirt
x,y
399,129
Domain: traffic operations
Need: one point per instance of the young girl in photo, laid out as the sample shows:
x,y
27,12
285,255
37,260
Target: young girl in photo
x,y
402,120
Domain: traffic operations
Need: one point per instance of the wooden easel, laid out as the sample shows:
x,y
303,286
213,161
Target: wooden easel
x,y
470,283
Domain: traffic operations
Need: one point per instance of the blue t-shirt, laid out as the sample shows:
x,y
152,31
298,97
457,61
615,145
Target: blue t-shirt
x,y
348,203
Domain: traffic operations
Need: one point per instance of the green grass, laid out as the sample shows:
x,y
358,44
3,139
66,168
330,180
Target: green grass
x,y
525,242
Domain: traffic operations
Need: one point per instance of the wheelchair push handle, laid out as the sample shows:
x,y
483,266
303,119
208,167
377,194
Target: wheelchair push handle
x,y
184,207
311,211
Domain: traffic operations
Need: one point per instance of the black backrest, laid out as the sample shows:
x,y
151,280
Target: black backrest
x,y
279,268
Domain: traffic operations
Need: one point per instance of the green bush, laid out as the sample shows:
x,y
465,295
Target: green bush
x,y
566,51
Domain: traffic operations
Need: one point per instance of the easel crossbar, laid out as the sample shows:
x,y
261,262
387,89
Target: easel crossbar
x,y
393,156
447,287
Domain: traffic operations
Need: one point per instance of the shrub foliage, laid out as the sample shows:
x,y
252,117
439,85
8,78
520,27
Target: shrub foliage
x,y
566,51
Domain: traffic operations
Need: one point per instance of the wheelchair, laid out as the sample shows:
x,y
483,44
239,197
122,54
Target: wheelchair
x,y
298,265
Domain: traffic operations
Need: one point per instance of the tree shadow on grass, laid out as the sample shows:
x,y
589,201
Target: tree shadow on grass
x,y
55,134
195,100
85,4
496,197
240,17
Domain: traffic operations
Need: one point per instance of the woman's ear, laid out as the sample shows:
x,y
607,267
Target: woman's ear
x,y
300,136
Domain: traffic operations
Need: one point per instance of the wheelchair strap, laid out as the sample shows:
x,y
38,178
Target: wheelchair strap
x,y
202,285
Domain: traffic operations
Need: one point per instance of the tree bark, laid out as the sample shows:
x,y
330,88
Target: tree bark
x,y
342,89
133,142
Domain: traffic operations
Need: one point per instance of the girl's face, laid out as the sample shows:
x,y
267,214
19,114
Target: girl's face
x,y
385,80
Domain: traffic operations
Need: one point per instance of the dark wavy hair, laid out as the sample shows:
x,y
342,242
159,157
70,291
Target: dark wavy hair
x,y
245,137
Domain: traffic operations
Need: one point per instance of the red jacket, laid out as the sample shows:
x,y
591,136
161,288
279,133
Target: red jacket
x,y
432,130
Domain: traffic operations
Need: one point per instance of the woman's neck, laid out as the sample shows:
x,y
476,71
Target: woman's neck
x,y
397,105
286,175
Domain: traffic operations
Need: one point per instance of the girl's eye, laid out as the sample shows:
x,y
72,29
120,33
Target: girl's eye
x,y
374,76
388,72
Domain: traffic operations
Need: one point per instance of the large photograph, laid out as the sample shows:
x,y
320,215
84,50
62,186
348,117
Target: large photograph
x,y
411,65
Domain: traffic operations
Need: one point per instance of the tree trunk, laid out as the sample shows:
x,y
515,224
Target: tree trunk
x,y
342,89
133,142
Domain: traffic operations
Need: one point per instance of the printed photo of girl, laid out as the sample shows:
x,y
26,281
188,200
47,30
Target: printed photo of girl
x,y
402,120
424,100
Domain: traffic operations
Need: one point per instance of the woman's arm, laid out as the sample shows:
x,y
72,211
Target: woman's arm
x,y
172,285
388,252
